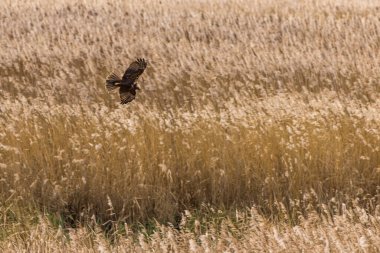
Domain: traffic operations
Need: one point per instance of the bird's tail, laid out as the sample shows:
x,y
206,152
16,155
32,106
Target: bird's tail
x,y
111,81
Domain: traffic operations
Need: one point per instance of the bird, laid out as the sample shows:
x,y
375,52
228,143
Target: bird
x,y
127,84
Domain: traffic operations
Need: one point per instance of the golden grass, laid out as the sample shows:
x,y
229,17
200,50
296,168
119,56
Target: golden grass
x,y
353,231
271,104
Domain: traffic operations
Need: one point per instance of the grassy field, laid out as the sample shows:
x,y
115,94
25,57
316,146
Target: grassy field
x,y
257,127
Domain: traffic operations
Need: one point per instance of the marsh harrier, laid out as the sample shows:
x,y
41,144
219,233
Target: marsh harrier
x,y
127,84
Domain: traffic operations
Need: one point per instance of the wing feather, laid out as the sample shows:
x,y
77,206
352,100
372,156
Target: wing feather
x,y
126,95
134,70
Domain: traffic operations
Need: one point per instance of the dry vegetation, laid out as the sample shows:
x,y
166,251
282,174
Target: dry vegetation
x,y
260,118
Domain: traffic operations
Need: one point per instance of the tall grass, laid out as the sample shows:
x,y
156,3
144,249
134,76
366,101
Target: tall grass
x,y
244,103
350,232
159,164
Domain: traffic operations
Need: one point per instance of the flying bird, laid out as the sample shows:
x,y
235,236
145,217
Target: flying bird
x,y
127,84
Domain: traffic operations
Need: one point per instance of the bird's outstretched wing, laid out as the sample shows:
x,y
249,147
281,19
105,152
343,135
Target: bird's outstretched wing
x,y
134,71
126,94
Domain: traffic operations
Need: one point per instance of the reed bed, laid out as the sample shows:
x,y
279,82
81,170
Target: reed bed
x,y
249,110
350,232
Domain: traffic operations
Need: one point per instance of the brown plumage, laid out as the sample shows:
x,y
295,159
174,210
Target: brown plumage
x,y
127,84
